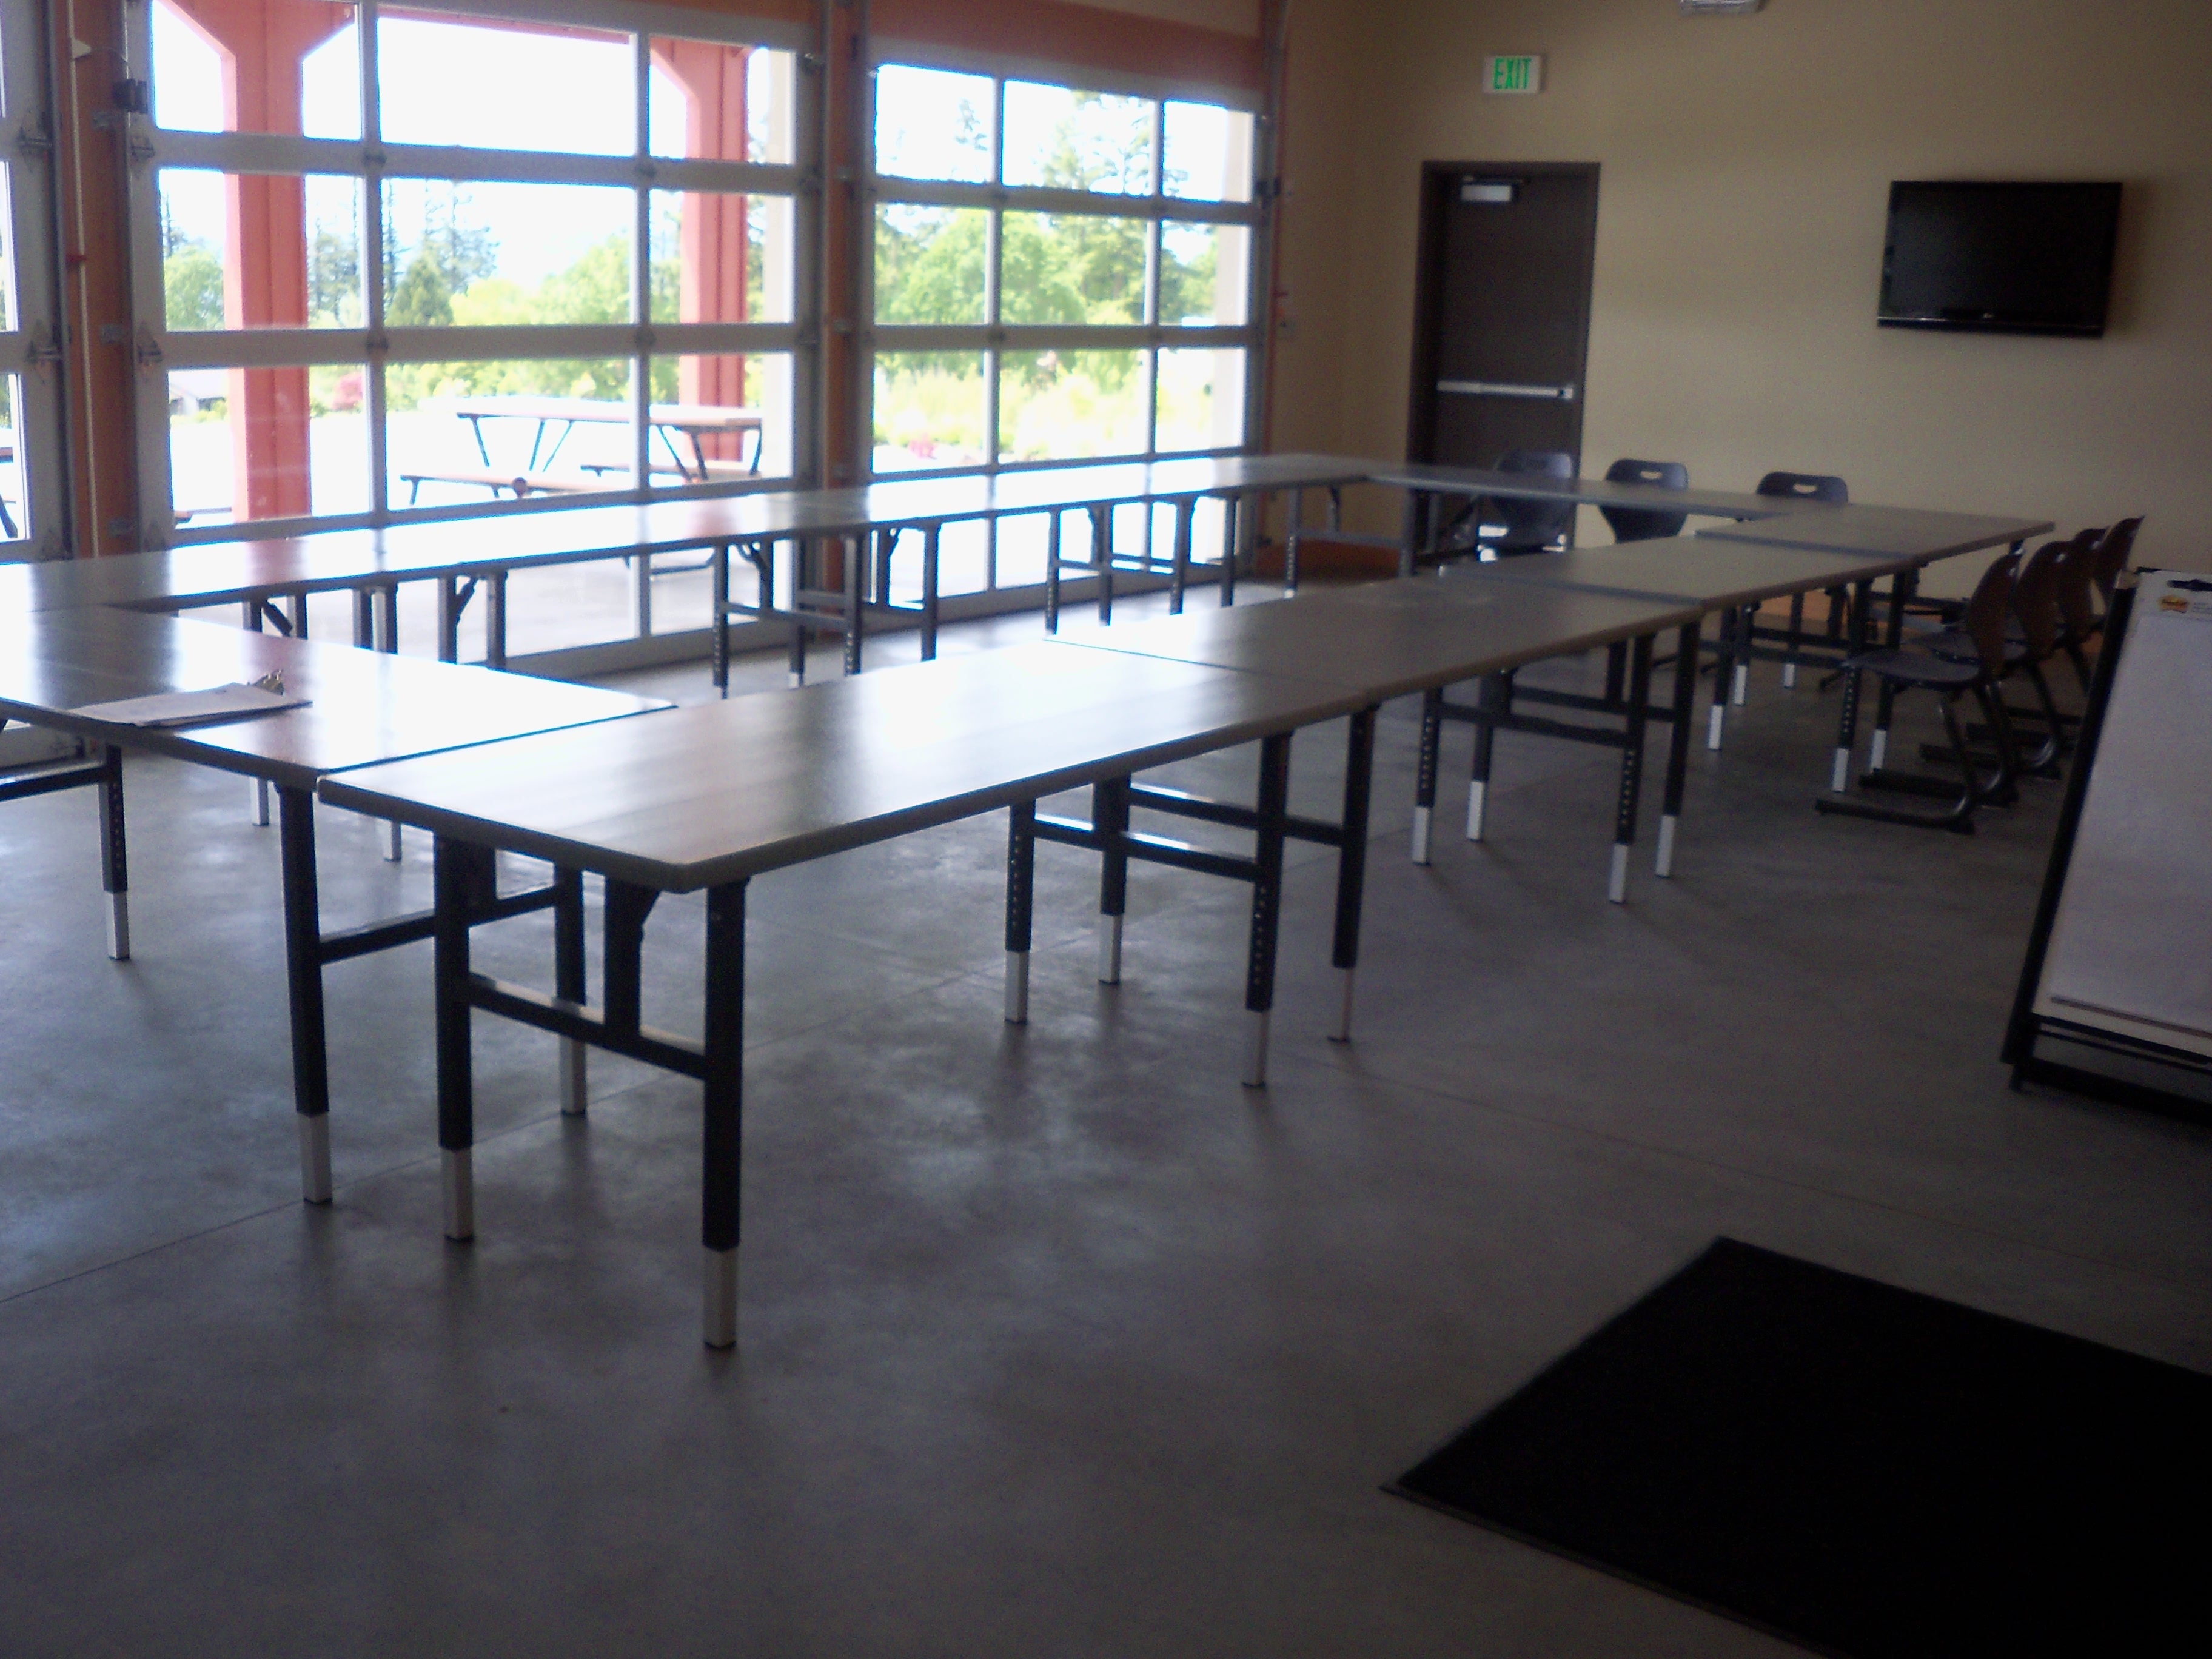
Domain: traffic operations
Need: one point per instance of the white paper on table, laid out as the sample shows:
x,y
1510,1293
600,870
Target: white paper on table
x,y
217,702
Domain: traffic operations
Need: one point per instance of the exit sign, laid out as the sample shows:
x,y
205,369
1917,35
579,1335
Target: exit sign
x,y
1515,75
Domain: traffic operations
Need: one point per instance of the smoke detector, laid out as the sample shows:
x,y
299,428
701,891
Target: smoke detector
x,y
1720,8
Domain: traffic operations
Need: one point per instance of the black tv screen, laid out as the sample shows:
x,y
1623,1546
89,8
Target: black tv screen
x,y
1999,258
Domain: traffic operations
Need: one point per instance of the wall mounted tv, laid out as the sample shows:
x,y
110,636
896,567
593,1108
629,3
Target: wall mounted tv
x,y
2005,258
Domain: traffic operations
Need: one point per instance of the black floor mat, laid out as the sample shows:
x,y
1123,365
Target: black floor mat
x,y
1861,1469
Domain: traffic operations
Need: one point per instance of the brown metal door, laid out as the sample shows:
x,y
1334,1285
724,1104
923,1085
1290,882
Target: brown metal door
x,y
1501,317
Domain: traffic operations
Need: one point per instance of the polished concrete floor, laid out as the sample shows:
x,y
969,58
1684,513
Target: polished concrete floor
x,y
1055,1340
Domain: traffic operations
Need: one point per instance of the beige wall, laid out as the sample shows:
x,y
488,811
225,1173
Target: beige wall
x,y
1745,167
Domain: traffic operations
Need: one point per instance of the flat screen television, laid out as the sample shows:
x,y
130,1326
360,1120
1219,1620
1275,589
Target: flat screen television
x,y
2006,258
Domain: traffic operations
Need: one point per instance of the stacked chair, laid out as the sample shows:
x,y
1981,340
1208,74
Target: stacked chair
x,y
1952,677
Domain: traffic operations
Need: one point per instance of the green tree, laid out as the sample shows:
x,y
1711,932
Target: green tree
x,y
333,278
191,285
423,298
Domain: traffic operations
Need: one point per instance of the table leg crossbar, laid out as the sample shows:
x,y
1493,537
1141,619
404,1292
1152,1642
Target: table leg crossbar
x,y
1272,824
308,951
1493,712
105,773
463,881
836,611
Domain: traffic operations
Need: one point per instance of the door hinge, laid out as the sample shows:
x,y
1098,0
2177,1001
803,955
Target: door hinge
x,y
34,142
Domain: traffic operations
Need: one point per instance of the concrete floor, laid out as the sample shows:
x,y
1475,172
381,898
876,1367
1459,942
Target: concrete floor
x,y
1055,1340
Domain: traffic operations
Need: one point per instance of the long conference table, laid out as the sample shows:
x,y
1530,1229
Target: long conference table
x,y
657,800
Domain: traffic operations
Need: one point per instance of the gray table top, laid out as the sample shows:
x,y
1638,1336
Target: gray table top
x,y
1907,532
714,792
367,706
1707,571
1383,640
1585,492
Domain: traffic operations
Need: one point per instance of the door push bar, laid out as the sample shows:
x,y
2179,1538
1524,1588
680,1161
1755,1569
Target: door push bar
x,y
1563,394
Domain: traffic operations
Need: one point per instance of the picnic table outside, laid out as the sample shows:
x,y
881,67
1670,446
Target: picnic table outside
x,y
693,421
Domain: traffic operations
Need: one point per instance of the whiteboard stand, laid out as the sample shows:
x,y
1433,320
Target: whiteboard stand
x,y
2119,963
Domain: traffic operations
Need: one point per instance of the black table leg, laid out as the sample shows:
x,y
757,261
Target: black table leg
x,y
458,871
1232,508
386,615
364,620
1267,904
1110,815
449,619
495,590
930,536
1291,544
1409,533
1052,572
570,984
1839,777
1903,587
250,619
721,665
114,866
1021,892
1424,791
1179,573
1631,767
1493,701
303,973
1746,643
1101,561
1352,861
1678,743
1795,640
855,550
798,575
722,1084
1723,666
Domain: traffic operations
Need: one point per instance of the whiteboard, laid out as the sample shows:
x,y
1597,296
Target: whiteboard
x,y
2131,944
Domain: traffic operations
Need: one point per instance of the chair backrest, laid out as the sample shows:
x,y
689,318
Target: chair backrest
x,y
2113,555
1643,524
1984,620
2078,605
1531,525
1806,487
2035,597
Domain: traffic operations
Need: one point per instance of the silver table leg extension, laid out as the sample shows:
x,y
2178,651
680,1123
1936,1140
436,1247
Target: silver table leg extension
x,y
261,803
1616,885
574,1075
1255,1048
118,926
1880,751
1665,863
459,1183
1343,1031
1476,791
1018,987
1788,676
1739,689
1839,780
1713,725
718,1309
315,1157
1109,950
391,846
1420,835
